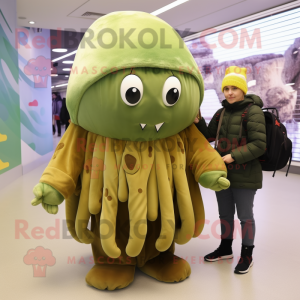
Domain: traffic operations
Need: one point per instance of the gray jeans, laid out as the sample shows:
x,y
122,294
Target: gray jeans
x,y
243,200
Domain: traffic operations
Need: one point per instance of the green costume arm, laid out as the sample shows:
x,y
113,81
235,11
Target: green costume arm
x,y
256,137
48,196
205,162
214,180
67,162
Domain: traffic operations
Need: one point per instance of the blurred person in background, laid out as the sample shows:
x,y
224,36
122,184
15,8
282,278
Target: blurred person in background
x,y
56,109
64,114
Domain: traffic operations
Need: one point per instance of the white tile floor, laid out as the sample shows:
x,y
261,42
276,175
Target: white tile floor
x,y
275,273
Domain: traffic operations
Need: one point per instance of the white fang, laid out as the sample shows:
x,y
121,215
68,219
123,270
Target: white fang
x,y
143,125
158,126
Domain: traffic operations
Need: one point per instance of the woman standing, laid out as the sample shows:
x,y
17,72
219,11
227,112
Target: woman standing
x,y
243,166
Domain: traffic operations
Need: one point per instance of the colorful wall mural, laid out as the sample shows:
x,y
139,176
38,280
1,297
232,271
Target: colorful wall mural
x,y
35,93
10,135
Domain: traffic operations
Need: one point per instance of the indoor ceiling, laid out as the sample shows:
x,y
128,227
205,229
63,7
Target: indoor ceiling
x,y
74,16
69,40
193,15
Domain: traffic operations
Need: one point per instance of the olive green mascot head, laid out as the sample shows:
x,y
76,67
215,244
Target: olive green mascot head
x,y
133,78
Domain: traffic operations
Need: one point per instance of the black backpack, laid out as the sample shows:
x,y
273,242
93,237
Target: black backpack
x,y
279,147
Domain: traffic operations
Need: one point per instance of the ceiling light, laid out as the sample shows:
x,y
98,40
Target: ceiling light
x,y
67,69
59,50
31,22
66,55
167,7
68,62
290,83
67,76
52,86
54,75
61,85
295,52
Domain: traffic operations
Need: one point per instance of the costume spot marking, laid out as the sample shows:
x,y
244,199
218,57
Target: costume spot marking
x,y
172,159
150,151
106,193
109,198
87,168
60,146
181,147
140,190
130,161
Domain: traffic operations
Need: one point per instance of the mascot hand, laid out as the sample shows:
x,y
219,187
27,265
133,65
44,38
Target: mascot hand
x,y
214,180
48,196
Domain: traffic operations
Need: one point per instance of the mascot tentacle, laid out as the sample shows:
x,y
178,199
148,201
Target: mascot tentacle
x,y
97,168
165,201
83,213
186,212
109,206
123,186
152,191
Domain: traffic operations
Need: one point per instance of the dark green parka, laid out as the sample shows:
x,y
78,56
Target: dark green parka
x,y
245,172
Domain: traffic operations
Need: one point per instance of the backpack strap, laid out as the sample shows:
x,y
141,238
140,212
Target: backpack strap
x,y
289,164
244,121
219,117
218,114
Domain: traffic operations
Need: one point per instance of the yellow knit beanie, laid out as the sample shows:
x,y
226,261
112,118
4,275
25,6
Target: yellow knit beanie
x,y
236,76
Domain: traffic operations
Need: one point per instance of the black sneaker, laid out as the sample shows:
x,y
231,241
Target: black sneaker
x,y
246,260
224,251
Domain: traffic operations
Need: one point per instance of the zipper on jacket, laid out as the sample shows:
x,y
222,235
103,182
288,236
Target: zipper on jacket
x,y
230,111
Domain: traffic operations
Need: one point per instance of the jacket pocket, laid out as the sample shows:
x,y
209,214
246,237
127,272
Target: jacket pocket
x,y
243,169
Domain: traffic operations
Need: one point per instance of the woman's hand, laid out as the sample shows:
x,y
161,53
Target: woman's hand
x,y
198,117
227,159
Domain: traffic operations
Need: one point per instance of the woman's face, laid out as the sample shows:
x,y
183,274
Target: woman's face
x,y
233,94
53,96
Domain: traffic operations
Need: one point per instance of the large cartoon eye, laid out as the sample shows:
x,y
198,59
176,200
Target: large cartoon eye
x,y
35,258
45,68
171,91
43,258
36,68
132,90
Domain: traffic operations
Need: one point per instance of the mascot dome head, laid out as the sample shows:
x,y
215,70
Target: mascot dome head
x,y
133,78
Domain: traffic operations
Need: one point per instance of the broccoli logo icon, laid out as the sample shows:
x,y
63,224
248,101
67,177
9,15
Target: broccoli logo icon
x,y
39,258
40,69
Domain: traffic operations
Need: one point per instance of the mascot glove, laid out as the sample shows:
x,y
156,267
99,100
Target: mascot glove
x,y
214,180
48,196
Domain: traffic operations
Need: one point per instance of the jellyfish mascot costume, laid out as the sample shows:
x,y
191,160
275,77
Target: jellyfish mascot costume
x,y
131,160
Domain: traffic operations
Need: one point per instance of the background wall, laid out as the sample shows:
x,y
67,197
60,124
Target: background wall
x,y
25,121
10,136
35,96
